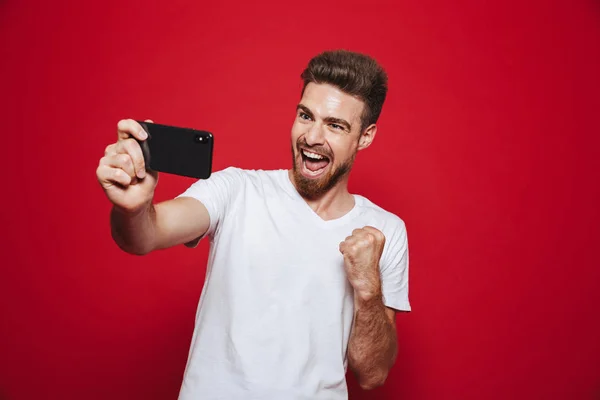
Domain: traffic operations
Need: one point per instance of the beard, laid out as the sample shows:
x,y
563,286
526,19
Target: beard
x,y
315,188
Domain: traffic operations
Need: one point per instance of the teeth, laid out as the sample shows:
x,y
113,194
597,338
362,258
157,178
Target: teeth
x,y
312,155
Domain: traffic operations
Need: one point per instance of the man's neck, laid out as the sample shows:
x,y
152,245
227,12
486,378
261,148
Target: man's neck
x,y
334,204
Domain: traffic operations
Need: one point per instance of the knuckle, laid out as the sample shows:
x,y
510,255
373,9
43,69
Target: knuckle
x,y
121,176
375,233
124,125
133,125
125,128
124,160
133,144
139,162
119,147
125,122
109,149
129,145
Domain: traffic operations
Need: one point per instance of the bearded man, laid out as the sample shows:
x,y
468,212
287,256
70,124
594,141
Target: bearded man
x,y
304,279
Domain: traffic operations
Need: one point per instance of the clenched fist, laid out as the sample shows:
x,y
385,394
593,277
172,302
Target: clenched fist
x,y
362,251
122,173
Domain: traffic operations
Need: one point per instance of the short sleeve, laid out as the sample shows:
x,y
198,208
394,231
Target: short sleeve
x,y
216,194
394,269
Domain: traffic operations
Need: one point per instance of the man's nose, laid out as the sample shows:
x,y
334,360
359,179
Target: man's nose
x,y
315,135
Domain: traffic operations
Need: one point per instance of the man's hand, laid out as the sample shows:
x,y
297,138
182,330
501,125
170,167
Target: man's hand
x,y
122,173
362,251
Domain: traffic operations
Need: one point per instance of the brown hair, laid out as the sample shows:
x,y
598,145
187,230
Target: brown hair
x,y
353,73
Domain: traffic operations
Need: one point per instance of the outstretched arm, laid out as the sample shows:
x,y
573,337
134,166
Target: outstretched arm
x,y
137,225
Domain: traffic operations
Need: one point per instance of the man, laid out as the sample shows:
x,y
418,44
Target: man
x,y
303,277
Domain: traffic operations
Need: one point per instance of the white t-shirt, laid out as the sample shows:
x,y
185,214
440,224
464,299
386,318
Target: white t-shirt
x,y
276,309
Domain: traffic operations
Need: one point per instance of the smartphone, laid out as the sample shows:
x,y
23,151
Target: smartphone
x,y
178,151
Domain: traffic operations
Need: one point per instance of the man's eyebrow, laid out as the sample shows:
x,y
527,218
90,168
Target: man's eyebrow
x,y
339,121
305,109
330,120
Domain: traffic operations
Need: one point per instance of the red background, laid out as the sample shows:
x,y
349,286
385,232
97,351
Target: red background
x,y
488,148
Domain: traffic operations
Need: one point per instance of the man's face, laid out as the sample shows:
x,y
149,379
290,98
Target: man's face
x,y
325,138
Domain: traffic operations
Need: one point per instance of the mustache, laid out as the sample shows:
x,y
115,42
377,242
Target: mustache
x,y
301,144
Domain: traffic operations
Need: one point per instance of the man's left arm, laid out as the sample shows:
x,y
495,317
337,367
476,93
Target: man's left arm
x,y
373,344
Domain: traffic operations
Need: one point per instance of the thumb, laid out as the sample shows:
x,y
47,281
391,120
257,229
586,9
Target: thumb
x,y
151,178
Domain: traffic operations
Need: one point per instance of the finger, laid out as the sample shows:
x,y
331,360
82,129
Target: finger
x,y
108,176
127,128
345,245
122,161
372,230
149,120
357,231
133,149
376,232
110,149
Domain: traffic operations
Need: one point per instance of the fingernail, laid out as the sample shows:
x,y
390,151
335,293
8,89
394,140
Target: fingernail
x,y
141,174
143,134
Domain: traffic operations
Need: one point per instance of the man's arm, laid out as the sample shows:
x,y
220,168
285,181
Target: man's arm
x,y
159,226
137,225
373,345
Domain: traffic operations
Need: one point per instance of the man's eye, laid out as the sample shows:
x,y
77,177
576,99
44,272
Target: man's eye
x,y
336,126
304,116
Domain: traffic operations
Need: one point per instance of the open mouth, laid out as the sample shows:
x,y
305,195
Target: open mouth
x,y
313,164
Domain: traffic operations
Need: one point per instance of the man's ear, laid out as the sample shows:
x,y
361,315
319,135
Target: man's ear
x,y
367,137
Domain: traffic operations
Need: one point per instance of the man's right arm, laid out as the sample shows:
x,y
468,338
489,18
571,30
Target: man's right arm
x,y
138,226
159,226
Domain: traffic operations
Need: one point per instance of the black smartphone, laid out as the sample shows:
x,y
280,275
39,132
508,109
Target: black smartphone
x,y
179,151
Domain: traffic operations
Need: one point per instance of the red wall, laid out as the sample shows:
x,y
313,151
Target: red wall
x,y
488,148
